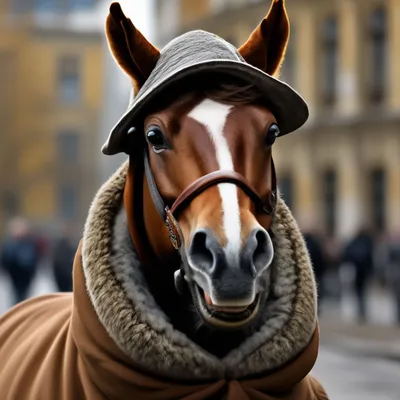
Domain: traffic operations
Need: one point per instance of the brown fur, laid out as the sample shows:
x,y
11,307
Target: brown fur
x,y
234,94
266,46
133,306
136,56
245,132
193,155
156,344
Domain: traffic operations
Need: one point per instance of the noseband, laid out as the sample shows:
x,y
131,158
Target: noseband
x,y
170,215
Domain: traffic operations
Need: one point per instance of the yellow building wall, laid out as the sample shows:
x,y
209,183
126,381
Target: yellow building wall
x,y
191,11
44,116
38,114
38,201
394,46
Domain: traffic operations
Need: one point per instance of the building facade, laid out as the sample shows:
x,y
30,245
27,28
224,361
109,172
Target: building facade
x,y
51,83
341,171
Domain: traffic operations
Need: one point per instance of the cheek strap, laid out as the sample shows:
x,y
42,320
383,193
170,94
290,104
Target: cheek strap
x,y
170,215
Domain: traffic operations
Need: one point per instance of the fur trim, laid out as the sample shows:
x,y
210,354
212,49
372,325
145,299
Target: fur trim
x,y
130,315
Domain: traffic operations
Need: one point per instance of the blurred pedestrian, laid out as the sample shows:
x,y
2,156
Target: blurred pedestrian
x,y
359,252
316,252
332,256
394,270
62,260
381,261
20,256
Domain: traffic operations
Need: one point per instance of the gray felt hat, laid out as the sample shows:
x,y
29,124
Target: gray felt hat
x,y
185,59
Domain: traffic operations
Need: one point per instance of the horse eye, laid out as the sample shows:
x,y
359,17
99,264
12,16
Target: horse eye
x,y
273,133
156,139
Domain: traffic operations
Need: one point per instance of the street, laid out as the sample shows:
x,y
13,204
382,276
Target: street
x,y
346,376
349,377
43,284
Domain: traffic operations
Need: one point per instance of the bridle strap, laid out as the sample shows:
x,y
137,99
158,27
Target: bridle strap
x,y
155,194
214,178
197,187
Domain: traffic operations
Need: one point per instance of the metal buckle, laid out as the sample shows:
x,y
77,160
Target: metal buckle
x,y
272,203
171,224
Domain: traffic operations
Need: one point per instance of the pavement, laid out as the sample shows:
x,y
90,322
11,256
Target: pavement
x,y
43,284
356,362
366,340
359,362
346,376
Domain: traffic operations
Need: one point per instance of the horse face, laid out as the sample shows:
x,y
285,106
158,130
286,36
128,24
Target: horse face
x,y
227,245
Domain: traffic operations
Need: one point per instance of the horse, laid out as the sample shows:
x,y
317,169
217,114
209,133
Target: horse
x,y
228,250
214,126
192,279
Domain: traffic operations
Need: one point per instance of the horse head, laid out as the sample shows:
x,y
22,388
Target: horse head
x,y
204,147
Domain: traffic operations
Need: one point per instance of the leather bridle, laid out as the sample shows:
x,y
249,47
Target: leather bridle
x,y
170,214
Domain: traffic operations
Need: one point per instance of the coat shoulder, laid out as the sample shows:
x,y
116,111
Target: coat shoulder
x,y
317,389
32,315
33,338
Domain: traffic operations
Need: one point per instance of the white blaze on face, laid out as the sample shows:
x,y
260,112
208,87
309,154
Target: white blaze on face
x,y
213,116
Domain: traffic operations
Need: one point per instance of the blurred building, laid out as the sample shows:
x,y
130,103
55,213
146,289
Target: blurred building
x,y
51,82
343,169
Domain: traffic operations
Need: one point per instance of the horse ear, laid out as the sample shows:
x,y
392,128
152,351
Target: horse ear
x,y
266,46
132,51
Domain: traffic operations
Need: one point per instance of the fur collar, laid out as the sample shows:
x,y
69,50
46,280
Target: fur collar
x,y
128,312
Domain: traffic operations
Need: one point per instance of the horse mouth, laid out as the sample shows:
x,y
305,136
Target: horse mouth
x,y
225,317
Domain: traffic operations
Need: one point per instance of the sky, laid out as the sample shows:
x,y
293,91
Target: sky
x,y
142,14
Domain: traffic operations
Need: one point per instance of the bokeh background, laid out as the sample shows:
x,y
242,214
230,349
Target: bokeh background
x,y
61,93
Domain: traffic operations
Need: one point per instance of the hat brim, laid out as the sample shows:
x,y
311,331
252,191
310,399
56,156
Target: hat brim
x,y
286,104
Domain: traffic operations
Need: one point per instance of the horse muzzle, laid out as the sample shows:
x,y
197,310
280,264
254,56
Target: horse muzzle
x,y
226,283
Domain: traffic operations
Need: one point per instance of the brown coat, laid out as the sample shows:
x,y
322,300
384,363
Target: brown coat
x,y
63,347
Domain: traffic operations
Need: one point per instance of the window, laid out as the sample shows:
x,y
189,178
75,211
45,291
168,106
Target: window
x,y
289,64
48,5
7,83
10,204
80,4
286,189
54,5
378,55
69,80
18,6
68,198
329,201
378,198
68,147
217,6
330,59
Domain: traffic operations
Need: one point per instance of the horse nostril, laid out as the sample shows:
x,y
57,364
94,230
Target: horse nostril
x,y
200,250
259,250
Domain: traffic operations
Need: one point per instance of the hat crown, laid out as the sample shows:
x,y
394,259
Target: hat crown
x,y
183,60
203,41
193,47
